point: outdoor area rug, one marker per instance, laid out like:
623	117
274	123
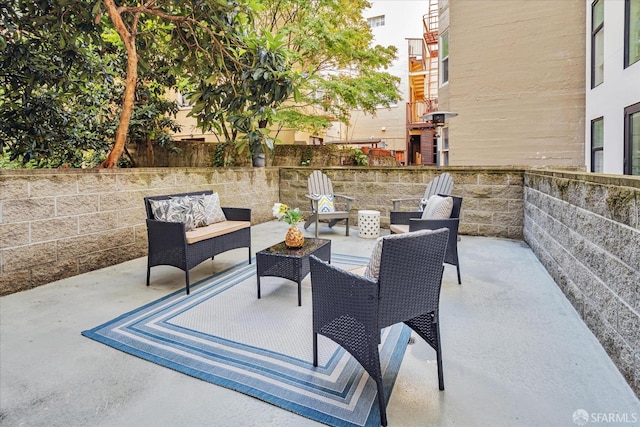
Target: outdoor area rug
223	334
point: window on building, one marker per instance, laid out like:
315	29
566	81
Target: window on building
597	145
631	32
183	101
444	159
376	21
444	58
632	140
597	43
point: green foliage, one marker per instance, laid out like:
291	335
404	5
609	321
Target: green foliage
63	66
286	214
240	101
48	108
63	69
226	154
358	157
219	155
330	43
61	84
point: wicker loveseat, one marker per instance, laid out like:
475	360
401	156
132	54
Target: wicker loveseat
170	243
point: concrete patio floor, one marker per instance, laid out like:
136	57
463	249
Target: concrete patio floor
515	352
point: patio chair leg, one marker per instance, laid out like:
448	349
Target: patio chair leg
315	350
381	403
148	273
459	280
258	286
438	350
347	227
187	279
440	374
317	223
249	254
309	221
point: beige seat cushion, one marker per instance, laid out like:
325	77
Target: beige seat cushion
399	228
215	229
358	270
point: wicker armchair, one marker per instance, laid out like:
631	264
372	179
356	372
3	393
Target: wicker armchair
351	310
400	220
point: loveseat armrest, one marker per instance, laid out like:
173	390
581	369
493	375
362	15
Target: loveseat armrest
165	235
237	214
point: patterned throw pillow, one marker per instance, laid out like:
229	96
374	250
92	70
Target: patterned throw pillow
207	210
175	209
438	207
373	268
325	204
159	209
180	210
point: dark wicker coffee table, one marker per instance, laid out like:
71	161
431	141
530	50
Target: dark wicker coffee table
291	264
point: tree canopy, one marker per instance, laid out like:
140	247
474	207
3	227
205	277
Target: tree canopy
331	46
51	99
47	68
88	76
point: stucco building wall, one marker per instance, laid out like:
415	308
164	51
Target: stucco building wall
516	79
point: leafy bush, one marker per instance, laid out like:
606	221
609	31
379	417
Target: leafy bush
359	158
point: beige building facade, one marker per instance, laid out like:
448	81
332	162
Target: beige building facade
516	79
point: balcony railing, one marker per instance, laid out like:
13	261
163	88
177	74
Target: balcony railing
420	108
417	52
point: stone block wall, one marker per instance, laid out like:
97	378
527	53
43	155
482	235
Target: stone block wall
318	156
585	229
60	223
492	205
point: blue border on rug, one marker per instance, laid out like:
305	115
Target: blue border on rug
144	333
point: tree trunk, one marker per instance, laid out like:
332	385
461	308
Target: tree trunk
129	40
151	161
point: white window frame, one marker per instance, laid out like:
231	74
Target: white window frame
632	140
444	58
376	21
631	32
597	138
597	45
183	102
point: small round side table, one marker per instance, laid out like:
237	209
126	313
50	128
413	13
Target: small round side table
368	224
